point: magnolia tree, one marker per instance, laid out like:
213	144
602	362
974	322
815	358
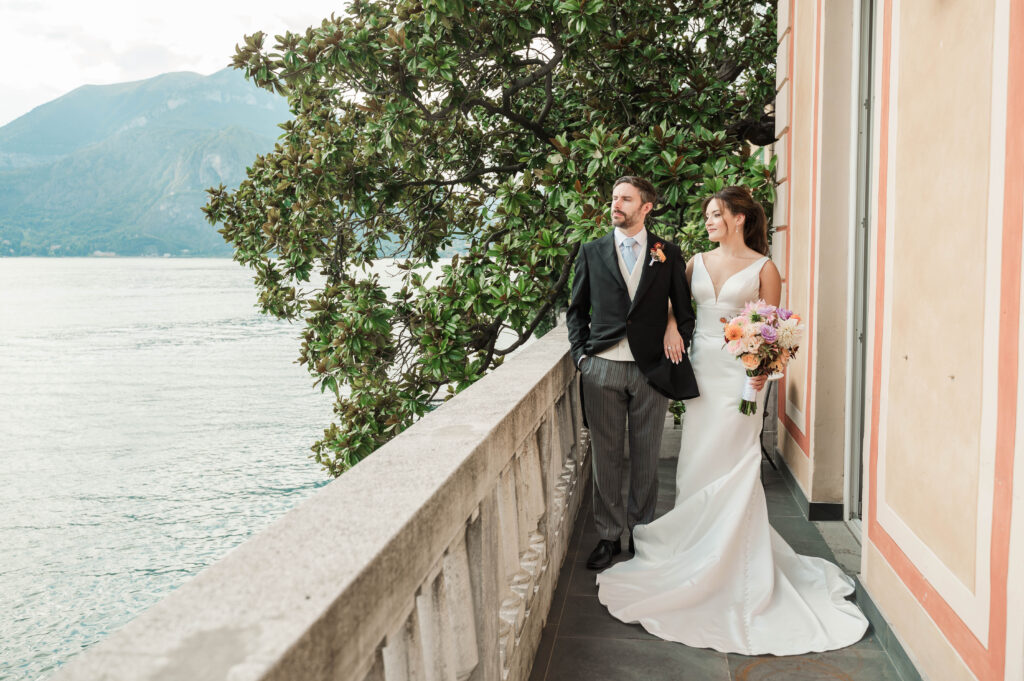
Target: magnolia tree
490	128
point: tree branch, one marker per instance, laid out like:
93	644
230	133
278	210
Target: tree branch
530	125
494	330
542	72
543	311
479	172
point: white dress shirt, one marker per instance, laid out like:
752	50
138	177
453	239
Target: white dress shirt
620	352
639	248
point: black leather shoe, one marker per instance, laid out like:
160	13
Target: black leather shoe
601	556
632	548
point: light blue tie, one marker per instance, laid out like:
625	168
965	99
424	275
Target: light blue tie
627	252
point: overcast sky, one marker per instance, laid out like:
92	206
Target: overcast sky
51	47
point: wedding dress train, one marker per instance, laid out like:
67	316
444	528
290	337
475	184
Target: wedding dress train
712	573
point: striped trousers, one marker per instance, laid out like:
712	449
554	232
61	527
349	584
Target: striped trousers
614	392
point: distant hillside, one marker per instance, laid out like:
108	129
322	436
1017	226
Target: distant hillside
123	168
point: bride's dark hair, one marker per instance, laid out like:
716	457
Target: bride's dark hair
740	201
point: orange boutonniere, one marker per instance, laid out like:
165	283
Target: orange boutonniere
657	254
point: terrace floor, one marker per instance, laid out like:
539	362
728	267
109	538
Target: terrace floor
582	642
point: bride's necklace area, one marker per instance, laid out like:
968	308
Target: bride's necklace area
722	263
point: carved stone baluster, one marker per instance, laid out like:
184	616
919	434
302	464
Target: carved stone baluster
529	491
508	517
461	623
512	606
376	672
530	503
555	487
403	654
567	425
483	549
559	408
549	475
438	647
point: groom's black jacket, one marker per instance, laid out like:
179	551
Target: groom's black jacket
601	314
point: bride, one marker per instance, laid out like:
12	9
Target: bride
712	573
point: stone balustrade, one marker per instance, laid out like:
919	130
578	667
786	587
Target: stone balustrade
434	559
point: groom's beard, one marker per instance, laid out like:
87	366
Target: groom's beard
625	221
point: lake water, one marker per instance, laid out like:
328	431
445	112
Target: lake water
150	420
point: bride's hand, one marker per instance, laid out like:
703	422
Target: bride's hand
757	382
674	347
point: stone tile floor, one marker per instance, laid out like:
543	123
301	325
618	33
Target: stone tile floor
582	642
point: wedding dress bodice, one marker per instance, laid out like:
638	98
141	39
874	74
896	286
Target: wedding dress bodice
738	290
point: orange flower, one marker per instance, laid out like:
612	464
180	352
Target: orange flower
733	332
750	361
796	317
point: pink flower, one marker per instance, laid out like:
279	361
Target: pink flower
768	333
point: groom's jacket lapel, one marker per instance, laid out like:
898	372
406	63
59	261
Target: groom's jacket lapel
608	257
606	253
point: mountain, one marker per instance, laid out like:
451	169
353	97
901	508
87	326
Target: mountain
123	168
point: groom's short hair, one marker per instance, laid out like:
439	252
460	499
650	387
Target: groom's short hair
647	191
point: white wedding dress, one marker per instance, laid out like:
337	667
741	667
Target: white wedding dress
712	573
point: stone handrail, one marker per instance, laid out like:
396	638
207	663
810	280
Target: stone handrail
435	558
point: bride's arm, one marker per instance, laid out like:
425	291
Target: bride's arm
771	293
771	284
674	346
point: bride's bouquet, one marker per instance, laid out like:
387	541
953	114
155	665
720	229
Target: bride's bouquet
764	338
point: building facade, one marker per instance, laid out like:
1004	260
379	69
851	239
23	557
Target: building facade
898	226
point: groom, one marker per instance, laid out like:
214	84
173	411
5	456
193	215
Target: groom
617	317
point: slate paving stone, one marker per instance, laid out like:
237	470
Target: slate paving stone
779	491
561	593
816	549
543	656
844	544
582	583
796	530
585	616
773	483
580	527
871	641
783	506
780	495
849	664
576	659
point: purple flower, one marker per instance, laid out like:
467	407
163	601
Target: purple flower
785	314
768	333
